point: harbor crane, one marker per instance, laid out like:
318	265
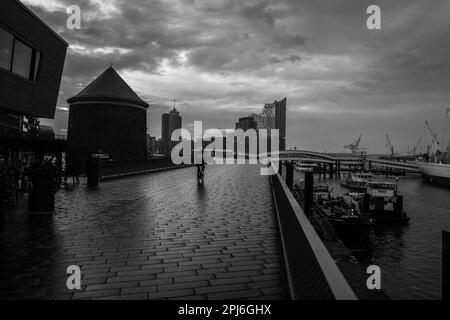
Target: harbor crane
434	138
416	146
389	145
354	147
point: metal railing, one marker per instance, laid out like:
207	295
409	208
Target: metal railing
312	272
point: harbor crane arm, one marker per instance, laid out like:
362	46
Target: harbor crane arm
434	139
391	147
432	134
417	145
358	141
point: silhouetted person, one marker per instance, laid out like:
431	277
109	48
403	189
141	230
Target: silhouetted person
201	171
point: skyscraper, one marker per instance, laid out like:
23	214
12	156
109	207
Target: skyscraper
170	122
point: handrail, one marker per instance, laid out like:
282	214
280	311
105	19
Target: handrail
312	272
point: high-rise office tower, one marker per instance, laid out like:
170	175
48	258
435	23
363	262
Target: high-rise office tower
170	122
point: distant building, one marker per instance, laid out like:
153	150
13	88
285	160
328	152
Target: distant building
272	116
280	121
151	145
170	122
246	123
106	117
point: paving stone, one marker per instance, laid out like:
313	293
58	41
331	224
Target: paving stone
151	236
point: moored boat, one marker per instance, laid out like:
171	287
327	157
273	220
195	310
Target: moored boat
343	213
357	181
438	172
382	201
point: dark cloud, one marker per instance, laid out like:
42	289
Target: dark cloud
292	58
226	58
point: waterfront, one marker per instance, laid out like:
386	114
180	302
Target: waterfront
409	256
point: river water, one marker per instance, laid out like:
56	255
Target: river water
409	256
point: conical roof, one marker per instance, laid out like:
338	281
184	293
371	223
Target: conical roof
108	86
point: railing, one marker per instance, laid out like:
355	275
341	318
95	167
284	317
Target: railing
312	272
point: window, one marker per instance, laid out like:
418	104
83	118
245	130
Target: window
6	46
22	59
37	59
18	57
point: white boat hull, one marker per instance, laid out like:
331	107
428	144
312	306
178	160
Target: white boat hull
436	172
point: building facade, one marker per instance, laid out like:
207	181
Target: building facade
151	145
169	123
106	117
31	64
280	121
246	123
272	116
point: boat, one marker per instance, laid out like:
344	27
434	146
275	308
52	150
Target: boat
357	181
438	172
304	166
435	167
336	215
344	214
382	201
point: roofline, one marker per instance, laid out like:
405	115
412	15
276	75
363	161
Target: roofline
106	99
41	22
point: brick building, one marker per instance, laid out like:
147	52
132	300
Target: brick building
106	117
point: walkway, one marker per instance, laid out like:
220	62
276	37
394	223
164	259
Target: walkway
153	236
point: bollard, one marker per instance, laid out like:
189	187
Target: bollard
309	192
445	265
92	169
289	175
280	168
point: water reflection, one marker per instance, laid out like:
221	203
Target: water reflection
409	255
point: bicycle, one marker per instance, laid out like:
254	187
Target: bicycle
200	174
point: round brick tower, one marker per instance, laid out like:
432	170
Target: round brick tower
106	117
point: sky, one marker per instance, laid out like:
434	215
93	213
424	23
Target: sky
224	59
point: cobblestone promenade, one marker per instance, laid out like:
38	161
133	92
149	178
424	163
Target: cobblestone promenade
152	236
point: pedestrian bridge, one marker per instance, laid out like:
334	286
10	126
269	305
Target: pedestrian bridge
345	160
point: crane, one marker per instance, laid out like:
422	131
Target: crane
354	147
389	144
416	146
434	138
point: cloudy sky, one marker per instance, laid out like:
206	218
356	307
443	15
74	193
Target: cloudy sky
222	59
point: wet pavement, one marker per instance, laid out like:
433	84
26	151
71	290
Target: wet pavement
152	236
